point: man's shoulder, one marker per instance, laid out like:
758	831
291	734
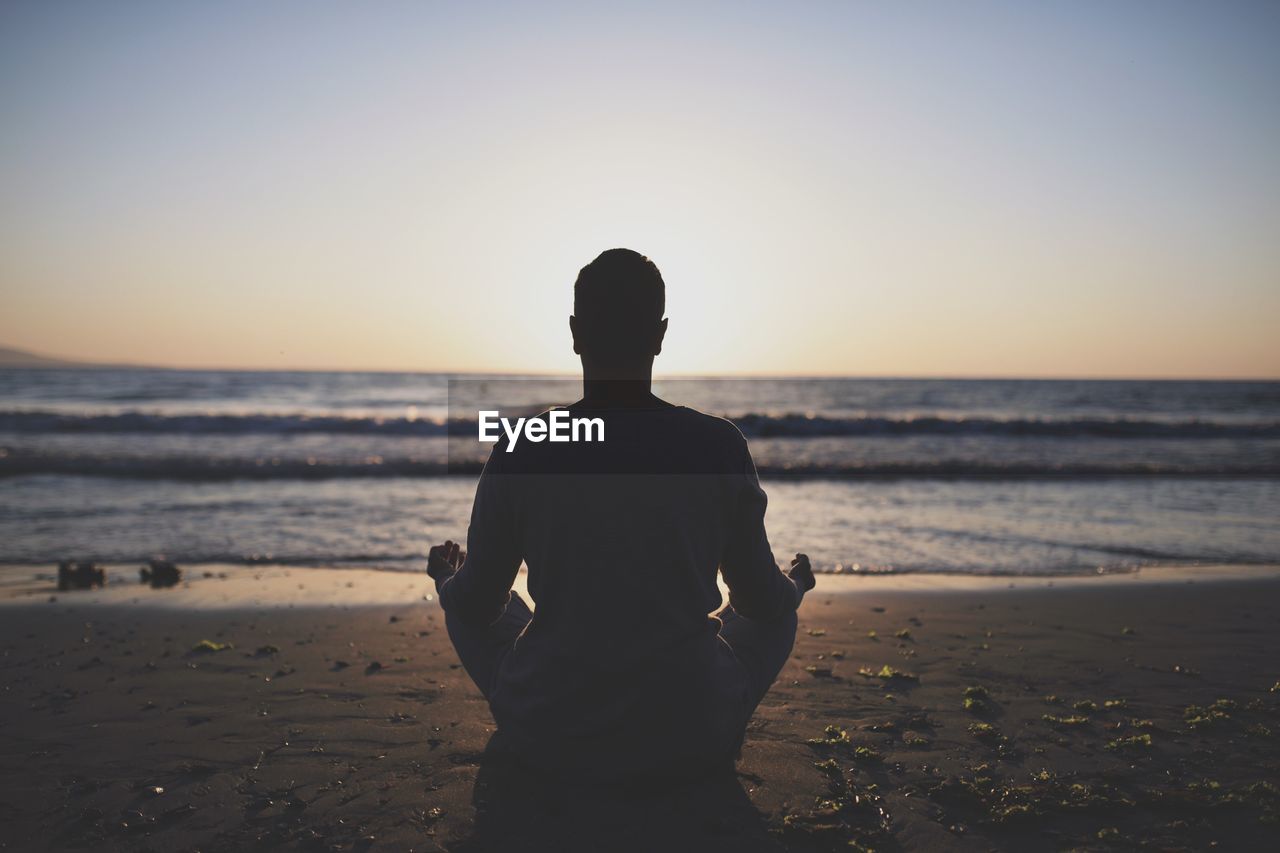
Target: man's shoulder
713	426
714	441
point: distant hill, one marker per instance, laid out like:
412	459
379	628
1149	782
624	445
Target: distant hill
10	357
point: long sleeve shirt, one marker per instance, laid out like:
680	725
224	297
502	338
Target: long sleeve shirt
623	540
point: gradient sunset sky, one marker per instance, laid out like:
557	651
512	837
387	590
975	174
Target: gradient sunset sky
893	189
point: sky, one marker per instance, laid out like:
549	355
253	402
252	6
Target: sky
1083	189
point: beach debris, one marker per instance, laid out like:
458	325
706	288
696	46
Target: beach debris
829	766
834	736
904	634
915	741
1115	704
989	799
132	819
919	722
1197	717
817	632
975	699
80	575
206	647
1074	720
831	736
374	666
887	673
984	731
1086	705
819	671
266	651
1134	742
160	574
846	816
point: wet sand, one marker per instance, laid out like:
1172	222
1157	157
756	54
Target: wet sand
1101	715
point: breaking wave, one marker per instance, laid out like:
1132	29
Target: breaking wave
212	468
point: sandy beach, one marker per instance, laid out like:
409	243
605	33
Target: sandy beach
915	714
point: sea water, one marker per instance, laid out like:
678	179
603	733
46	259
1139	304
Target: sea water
864	475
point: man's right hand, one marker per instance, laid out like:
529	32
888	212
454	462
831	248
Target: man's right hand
802	573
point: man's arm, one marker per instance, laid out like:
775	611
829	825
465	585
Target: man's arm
757	587
479	589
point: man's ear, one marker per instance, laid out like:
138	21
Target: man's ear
662	333
573	330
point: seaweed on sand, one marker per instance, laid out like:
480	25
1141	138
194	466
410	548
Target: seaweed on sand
846	814
975	700
1132	743
887	673
831	736
984	731
1197	717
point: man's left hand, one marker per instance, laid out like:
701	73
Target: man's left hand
444	560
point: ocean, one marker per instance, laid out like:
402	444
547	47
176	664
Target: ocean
1039	477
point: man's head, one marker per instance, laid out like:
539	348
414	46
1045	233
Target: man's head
618	303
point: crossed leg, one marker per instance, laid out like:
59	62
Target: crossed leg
482	648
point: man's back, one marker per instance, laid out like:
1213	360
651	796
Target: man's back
622	540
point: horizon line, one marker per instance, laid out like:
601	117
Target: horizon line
62	363
657	377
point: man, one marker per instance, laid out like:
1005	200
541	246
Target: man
621	674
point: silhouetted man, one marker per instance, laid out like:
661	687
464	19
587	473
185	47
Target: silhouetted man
621	673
